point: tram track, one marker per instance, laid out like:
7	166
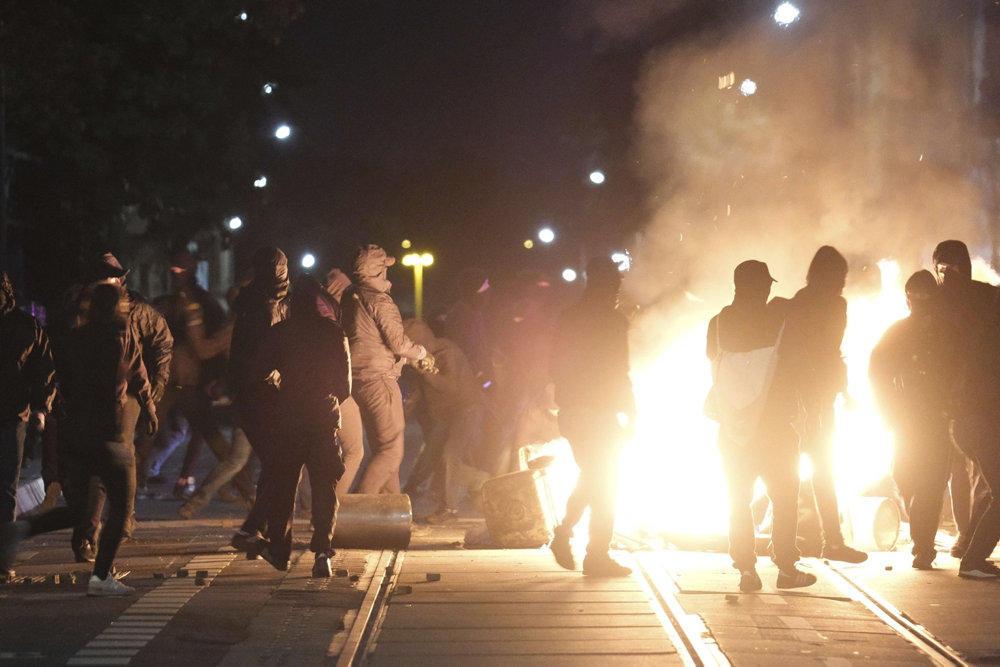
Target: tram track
697	646
935	650
364	630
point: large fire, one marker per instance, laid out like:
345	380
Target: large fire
671	476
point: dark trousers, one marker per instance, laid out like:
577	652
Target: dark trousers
260	433
596	438
318	451
114	464
89	495
968	494
381	404
773	456
12	435
978	436
817	442
920	469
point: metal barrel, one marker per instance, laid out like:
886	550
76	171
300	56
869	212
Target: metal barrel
373	521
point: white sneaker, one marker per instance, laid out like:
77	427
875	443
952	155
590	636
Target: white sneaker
109	587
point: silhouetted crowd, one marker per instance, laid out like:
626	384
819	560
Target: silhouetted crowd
287	384
285	387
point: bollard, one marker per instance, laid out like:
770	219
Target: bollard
370	521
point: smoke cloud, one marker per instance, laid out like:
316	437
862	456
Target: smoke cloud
861	134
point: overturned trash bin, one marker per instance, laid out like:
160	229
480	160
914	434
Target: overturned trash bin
373	521
518	509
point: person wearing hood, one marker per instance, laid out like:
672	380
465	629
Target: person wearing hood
757	439
379	347
259	305
590	372
970	319
452	401
908	367
27	390
814	332
99	369
351	434
308	355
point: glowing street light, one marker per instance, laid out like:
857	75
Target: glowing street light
260	182
546	235
308	260
418	261
282	132
596	177
748	87
786	14
268	88
234	222
569	275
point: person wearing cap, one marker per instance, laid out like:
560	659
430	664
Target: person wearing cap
814	331
156	351
589	365
756	438
27	390
379	347
908	366
100	370
970	318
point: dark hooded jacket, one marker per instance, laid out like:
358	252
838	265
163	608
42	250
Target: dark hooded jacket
310	354
590	358
453	388
260	304
100	364
27	373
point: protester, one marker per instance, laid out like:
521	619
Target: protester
351	433
756	433
259	305
379	347
971	321
908	367
309	353
99	369
590	370
450	396
194	381
27	389
815	328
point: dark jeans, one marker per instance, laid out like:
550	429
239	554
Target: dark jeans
818	444
114	464
920	469
773	456
447	446
92	494
596	438
12	435
979	437
318	451
969	493
381	404
260	433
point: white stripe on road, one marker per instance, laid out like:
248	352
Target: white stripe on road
142	621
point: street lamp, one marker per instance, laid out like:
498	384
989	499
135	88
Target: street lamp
235	222
596	177
418	261
282	132
546	235
308	260
786	14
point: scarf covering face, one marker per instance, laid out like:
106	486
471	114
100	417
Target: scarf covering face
270	272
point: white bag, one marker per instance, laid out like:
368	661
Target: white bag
740	383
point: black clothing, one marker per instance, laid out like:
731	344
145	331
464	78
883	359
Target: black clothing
590	370
907	370
27	374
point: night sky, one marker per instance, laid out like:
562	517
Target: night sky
462	126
